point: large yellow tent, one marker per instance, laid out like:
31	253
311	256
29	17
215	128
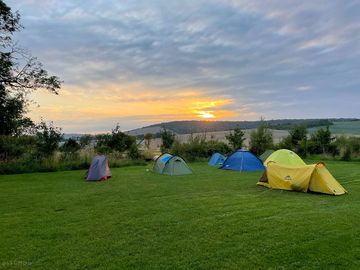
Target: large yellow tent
315	178
285	157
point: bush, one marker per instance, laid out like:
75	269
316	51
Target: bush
70	146
197	147
134	152
347	155
52	164
117	141
85	140
47	139
102	143
12	147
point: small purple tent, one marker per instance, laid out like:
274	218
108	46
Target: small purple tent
99	169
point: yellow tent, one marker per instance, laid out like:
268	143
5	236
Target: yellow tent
315	178
285	157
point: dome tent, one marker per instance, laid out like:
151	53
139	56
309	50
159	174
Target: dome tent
303	178
243	160
160	162
266	154
285	157
99	169
216	159
171	165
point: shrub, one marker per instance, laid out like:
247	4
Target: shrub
198	147
346	155
70	146
51	164
117	141
12	147
134	152
47	139
85	140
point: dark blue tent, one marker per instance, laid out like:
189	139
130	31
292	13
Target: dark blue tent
216	159
243	160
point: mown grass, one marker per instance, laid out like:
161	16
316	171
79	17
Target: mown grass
212	219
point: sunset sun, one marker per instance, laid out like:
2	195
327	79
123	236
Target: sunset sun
206	114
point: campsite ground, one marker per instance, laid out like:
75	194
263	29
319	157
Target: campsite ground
212	219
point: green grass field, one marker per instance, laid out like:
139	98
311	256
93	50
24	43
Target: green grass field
212	219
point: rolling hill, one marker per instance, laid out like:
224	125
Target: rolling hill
189	127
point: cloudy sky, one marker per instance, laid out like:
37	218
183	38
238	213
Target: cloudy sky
141	62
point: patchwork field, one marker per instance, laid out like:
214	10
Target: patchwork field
212	219
350	128
278	135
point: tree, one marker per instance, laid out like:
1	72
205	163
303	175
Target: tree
321	141
120	141
47	139
12	114
85	140
261	139
134	152
70	146
148	137
116	141
20	74
296	140
298	133
168	139
236	138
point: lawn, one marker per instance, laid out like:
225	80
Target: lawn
212	219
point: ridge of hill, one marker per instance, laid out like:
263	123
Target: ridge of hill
199	126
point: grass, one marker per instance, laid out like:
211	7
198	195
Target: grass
212	219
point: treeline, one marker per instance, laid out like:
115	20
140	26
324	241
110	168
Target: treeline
189	127
45	149
320	143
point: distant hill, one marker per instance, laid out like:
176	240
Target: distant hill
188	127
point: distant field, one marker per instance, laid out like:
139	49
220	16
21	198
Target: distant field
219	136
212	219
343	128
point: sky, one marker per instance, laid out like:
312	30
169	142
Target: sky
143	62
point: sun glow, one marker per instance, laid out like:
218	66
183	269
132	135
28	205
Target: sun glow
205	114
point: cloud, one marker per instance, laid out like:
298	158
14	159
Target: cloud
304	88
250	52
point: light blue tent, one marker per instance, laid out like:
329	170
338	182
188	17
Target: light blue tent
244	161
216	159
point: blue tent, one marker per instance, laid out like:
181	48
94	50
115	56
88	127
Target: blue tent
216	159
243	160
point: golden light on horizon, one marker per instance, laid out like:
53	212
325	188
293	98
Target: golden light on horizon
140	106
205	114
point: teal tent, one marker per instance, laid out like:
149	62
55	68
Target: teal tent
171	165
266	154
160	162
